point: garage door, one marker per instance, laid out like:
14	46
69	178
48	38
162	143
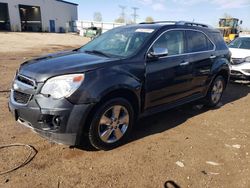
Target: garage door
4	17
30	18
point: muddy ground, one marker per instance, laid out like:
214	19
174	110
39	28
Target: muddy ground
191	146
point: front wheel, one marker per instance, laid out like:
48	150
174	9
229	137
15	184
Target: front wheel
111	124
215	91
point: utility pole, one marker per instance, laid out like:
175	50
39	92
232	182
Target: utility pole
123	12
135	15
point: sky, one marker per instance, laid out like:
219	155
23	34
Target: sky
203	11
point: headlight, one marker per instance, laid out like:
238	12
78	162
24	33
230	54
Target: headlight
247	59
62	86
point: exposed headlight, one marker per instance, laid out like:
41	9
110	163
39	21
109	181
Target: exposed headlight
247	59
62	86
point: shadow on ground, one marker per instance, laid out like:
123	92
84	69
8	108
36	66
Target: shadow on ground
169	119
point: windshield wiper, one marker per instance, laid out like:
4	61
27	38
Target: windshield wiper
97	52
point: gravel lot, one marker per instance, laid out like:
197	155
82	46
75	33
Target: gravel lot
189	145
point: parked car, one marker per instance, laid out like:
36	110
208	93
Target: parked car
97	92
240	64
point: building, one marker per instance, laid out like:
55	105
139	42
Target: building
37	15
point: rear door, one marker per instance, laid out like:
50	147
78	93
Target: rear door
168	78
202	56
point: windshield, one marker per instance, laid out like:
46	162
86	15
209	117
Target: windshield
242	43
118	42
228	23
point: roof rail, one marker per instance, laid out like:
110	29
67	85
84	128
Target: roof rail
191	24
179	23
159	22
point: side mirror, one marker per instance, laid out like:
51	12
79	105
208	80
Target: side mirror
241	22
158	52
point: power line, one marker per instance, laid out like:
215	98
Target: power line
135	15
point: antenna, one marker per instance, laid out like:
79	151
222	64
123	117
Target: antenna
135	15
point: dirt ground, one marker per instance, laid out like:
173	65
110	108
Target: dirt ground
191	146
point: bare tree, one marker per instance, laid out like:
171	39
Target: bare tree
227	16
149	19
97	17
120	20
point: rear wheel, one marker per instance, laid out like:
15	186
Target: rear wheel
111	124
215	91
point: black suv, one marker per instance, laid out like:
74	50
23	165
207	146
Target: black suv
99	90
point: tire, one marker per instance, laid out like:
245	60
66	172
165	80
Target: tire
215	91
111	124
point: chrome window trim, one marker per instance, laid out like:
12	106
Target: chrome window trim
182	29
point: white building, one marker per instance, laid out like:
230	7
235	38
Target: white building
37	15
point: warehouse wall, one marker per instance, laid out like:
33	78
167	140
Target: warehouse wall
61	12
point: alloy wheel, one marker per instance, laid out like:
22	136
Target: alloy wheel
113	124
217	91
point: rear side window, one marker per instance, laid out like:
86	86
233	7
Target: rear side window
198	42
219	41
173	41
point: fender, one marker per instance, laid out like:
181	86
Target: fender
219	65
103	81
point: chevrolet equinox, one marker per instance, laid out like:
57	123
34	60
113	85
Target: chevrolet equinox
97	92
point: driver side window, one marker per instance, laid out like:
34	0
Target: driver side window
171	40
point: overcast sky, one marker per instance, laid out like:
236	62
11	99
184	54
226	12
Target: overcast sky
205	11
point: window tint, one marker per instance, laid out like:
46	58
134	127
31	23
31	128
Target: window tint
173	41
219	41
197	42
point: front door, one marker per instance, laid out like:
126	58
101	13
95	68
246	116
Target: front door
168	78
52	26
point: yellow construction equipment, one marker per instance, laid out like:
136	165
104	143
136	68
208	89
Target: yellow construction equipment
229	28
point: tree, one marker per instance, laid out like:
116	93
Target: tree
120	20
97	17
149	19
129	21
227	16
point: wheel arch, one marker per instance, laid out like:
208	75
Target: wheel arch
220	68
225	74
125	93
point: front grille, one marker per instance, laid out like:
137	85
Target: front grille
26	80
21	98
236	61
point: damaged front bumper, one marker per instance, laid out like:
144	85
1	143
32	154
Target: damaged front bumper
59	121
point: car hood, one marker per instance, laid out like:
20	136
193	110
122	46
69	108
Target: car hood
239	53
62	63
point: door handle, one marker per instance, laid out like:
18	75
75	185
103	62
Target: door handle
184	63
212	56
